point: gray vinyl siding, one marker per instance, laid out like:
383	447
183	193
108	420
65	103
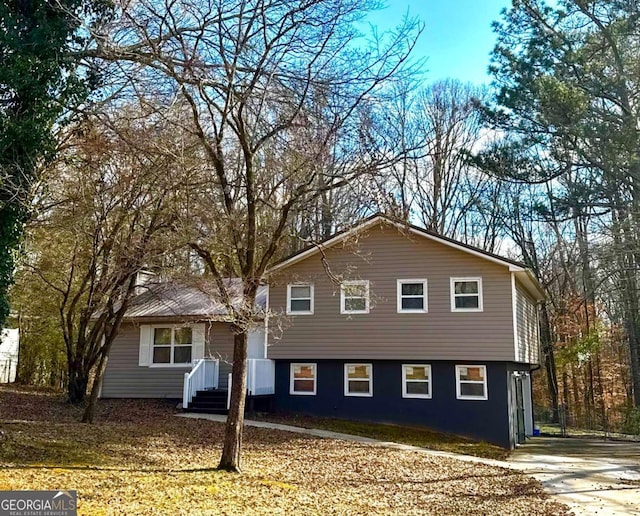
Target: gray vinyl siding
527	327
383	255
124	378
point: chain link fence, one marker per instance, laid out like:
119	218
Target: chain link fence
621	422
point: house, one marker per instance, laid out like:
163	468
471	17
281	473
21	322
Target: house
167	329
384	322
9	346
413	328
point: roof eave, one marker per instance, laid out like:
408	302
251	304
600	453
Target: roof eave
302	255
325	245
527	278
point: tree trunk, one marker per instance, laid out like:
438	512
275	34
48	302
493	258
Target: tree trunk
565	396
577	398
230	460
602	404
590	398
90	410
631	307
78	382
549	361
632	318
633	331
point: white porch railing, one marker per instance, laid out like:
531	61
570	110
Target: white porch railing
203	375
261	378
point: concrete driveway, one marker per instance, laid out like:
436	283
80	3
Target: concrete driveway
591	476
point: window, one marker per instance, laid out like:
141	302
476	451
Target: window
166	345
172	345
358	380
471	382
300	299
303	379
354	297
412	296
416	381
466	294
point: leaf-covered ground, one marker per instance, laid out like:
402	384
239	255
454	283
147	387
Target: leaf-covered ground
140	459
412	435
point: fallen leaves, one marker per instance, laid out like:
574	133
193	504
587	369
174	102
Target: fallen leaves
412	435
140	459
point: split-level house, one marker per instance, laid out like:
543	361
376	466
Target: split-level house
384	322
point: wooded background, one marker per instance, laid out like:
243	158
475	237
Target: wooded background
210	139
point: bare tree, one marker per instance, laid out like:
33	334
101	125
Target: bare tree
100	213
435	184
273	88
447	186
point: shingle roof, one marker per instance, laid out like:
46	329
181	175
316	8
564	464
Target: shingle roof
172	299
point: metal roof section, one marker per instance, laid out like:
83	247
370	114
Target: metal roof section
172	299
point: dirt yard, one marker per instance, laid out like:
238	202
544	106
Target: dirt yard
140	459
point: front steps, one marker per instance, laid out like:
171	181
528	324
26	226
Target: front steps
209	402
214	401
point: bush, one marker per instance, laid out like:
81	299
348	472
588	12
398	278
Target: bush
631	423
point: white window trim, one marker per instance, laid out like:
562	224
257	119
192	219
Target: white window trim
401	310
452	287
173	333
346	380
292	390
342	297
405	394
483	382
311	304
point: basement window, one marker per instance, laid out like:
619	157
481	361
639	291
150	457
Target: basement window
303	379
471	382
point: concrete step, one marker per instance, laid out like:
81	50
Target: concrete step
208	403
207	410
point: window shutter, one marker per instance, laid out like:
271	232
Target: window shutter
144	355
198	332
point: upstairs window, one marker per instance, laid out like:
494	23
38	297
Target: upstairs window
466	294
172	345
354	297
412	296
471	382
300	299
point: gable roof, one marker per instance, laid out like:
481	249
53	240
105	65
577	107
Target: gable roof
519	269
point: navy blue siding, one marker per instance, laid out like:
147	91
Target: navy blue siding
486	420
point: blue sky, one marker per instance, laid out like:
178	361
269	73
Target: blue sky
457	37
